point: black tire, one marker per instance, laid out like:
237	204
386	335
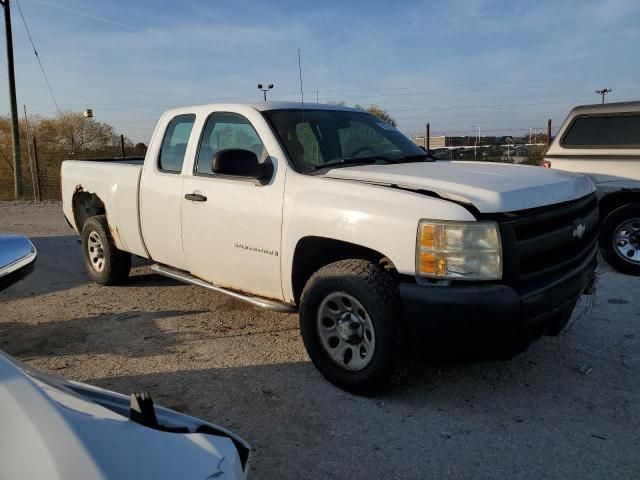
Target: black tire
377	291
115	265
612	222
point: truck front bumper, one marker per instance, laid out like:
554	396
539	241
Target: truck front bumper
494	311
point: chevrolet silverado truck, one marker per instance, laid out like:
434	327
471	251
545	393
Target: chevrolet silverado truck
603	141
335	214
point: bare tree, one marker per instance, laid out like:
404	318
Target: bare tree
73	133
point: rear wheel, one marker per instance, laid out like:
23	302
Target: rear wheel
620	239
352	326
105	263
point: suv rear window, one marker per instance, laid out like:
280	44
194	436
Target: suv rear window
612	131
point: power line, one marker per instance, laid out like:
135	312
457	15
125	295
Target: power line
491	82
84	14
44	74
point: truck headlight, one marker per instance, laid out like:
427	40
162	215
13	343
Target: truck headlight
459	250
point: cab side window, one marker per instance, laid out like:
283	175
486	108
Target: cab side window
175	143
223	131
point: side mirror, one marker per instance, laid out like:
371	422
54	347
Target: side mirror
17	259
241	163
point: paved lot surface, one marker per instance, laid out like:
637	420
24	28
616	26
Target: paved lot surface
567	408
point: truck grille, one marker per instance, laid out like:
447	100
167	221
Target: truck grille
542	244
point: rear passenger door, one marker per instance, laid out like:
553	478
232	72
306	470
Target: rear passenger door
161	190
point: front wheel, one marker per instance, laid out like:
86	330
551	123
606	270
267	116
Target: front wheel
620	239
352	326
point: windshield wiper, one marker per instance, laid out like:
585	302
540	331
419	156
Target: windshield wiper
355	161
420	157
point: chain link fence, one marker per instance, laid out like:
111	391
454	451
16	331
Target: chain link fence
49	187
518	154
48	165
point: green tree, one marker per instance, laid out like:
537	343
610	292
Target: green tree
381	113
534	155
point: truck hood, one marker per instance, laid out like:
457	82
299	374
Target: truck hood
490	187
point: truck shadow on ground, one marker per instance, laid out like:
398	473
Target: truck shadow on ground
95	334
60	266
247	392
283	408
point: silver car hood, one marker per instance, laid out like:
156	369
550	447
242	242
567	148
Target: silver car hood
55	429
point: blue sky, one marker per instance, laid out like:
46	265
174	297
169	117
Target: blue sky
506	66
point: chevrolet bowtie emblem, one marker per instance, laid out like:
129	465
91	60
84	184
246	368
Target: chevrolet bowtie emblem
579	230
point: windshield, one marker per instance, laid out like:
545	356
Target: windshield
317	139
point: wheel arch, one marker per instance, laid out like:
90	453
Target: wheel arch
614	200
313	252
86	205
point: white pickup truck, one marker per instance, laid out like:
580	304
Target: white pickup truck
603	141
331	212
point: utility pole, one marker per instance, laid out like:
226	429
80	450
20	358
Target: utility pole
548	133
603	92
15	132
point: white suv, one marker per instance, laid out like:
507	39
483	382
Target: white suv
603	141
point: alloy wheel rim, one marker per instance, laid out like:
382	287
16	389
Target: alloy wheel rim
346	331
626	240
95	249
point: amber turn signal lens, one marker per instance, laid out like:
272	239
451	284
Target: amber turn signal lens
428	263
428	236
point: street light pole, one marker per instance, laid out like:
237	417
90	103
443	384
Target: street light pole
15	132
603	92
265	90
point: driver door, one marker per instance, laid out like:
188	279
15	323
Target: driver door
232	230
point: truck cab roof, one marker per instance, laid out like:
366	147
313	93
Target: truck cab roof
260	106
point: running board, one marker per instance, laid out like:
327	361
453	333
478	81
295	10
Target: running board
257	301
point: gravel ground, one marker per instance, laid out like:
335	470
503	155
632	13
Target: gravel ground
569	407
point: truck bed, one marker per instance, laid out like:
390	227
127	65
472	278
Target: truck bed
116	182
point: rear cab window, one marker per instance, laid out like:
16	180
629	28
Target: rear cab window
174	143
603	131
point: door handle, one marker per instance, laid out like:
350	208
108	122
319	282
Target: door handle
195	197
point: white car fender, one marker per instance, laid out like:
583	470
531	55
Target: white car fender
380	218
